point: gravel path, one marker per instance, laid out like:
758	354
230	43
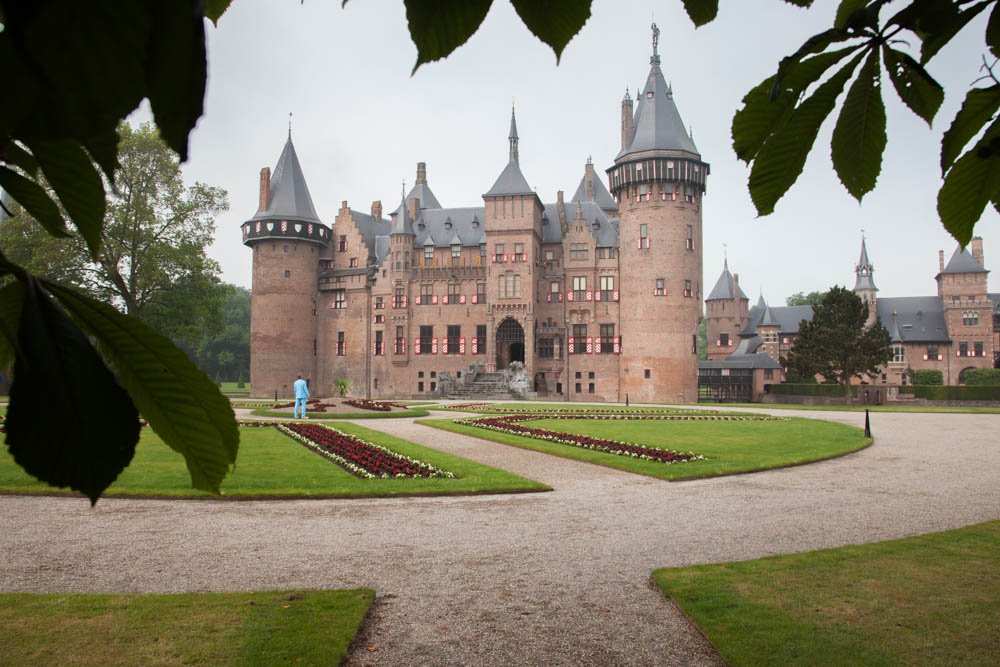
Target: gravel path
558	578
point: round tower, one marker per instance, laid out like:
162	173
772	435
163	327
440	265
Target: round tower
286	237
659	179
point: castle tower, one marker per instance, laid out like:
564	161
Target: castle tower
726	313
286	237
513	226
659	180
968	310
864	285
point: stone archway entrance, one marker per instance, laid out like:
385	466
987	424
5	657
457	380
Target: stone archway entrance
510	343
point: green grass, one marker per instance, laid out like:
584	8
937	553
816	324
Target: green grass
927	600
364	414
311	627
272	465
942	409
576	407
730	447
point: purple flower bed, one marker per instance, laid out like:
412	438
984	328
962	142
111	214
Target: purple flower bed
357	456
366	404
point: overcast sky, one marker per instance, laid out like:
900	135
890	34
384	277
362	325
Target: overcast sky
361	122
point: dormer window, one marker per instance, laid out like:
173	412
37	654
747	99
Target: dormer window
649	95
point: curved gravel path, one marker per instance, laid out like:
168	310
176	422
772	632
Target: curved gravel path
558	578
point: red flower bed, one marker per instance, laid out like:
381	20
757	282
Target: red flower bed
358	456
366	404
508	424
312	405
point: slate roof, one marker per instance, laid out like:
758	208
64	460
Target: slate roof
510	182
786	317
995	298
742	361
422	191
963	262
724	286
288	198
371	229
600	194
864	271
657	123
402	224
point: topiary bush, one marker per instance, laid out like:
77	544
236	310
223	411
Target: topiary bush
948	393
982	376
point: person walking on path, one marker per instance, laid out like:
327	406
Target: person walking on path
301	394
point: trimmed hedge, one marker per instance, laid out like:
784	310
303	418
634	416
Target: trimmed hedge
790	389
928	377
966	393
977	377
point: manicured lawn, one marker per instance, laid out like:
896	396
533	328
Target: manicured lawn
574	407
927	600
310	627
942	409
360	414
729	447
271	464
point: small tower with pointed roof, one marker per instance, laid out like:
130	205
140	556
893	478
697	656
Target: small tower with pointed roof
286	237
659	179
726	312
864	284
968	309
513	225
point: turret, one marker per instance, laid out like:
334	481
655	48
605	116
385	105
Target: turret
864	285
286	237
658	180
726	309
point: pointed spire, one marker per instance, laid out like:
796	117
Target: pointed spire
725	286
403	224
289	124
655	59
864	271
288	197
513	136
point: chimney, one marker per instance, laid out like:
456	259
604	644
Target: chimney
413	207
265	188
977	250
421	173
940	261
588	181
561	207
377	209
736	287
626	120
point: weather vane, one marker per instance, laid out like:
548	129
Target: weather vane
656	37
289	124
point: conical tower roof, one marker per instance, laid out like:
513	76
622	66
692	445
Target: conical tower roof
724	285
288	197
402	224
768	319
962	261
592	189
657	124
511	181
865	271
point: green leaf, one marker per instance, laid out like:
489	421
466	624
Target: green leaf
993	32
176	71
11	298
979	107
859	135
913	84
701	11
94	437
973	181
438	27
940	34
35	200
555	22
214	9
103	149
766	108
800	3
781	159
15	155
844	11
69	171
182	405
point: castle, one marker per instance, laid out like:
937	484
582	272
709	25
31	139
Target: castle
599	297
951	332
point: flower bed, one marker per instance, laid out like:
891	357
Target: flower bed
357	456
509	424
312	405
367	404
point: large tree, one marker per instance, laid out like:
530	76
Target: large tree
837	344
802	299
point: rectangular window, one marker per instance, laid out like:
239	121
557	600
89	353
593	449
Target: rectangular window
519	255
480	292
607	338
379	303
579	388
426	339
498	255
353	262
689	241
454	296
932	353
579	339
898	354
379	344
554	287
607	288
380	319
578	251
341	344
963	349
687	288
339	298
480	341
579	288
661	287
546	349
977	349
643	236
426	295
723	340
342	244
970	318
399	345
647	374
428	253
590	388
456	251
399	297
549	256
607	253
420	386
454	338
768	374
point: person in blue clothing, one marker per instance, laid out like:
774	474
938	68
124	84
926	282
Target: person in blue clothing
301	389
